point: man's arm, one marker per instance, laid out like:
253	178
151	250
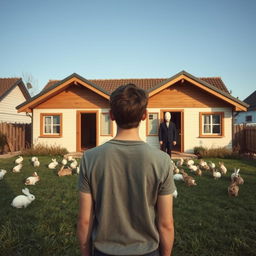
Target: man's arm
165	224
84	223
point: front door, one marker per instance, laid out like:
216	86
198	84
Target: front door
177	118
86	130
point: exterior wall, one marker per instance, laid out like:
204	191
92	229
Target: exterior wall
191	129
69	128
241	117
8	111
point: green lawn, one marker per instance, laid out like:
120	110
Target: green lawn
207	221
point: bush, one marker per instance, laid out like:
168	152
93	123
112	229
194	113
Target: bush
220	152
45	150
3	141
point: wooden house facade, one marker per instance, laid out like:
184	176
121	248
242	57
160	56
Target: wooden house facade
74	112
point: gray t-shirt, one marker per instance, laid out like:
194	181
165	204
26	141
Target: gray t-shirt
125	179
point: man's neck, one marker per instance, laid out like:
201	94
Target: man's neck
127	134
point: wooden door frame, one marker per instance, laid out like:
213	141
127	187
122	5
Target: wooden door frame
181	124
78	127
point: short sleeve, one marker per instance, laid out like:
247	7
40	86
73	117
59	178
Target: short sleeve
167	186
83	180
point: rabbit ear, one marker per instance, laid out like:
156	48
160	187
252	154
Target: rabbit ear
238	170
26	191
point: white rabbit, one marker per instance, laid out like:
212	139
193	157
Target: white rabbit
192	168
178	176
2	173
223	169
190	162
34	158
215	174
32	180
64	161
74	164
235	174
175	193
36	163
17	168
19	160
212	165
70	158
23	201
53	164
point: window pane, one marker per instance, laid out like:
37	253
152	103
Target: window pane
207	119
216	129
105	124
153	123
56	129
47	129
47	120
207	129
216	119
56	119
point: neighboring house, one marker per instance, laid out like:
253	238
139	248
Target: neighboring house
73	112
12	93
248	117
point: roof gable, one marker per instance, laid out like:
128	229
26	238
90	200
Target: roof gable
7	84
104	87
251	100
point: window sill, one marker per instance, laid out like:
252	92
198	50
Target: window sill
211	136
50	136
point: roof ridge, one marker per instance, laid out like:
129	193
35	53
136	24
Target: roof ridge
104	79
10	77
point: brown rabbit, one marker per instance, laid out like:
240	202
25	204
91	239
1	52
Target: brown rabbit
239	180
64	171
233	189
189	181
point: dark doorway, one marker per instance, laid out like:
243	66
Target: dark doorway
88	130
176	118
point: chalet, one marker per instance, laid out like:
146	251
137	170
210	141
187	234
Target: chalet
73	112
12	93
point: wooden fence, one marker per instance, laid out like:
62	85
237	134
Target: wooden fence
244	138
18	136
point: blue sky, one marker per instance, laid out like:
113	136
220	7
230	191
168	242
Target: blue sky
52	39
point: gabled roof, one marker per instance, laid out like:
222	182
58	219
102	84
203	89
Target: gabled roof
104	87
251	100
7	84
146	83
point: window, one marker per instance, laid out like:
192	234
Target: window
248	118
51	125
211	124
152	124
106	125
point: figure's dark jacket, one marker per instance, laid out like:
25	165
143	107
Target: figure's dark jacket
167	134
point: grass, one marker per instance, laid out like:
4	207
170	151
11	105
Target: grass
207	221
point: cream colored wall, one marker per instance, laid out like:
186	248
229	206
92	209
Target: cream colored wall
8	111
191	129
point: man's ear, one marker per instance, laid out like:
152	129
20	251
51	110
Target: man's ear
111	115
144	116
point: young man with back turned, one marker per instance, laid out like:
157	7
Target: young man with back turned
125	188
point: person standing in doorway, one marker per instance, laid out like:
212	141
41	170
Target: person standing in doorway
167	134
125	188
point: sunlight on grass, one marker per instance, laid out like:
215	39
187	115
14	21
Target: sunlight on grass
207	221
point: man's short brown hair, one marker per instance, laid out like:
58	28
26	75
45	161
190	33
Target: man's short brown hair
128	103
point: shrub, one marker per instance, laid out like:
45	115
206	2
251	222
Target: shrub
219	152
45	150
3	141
